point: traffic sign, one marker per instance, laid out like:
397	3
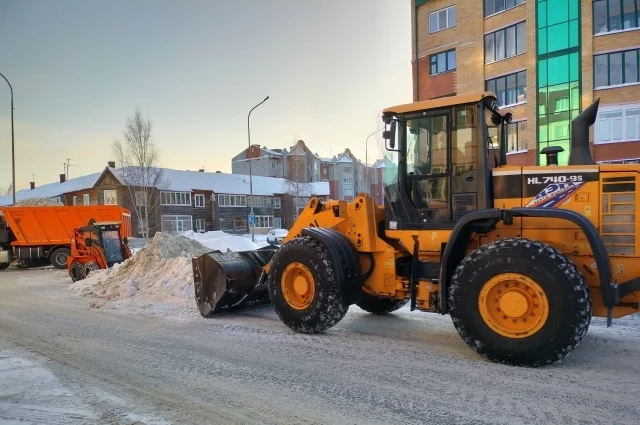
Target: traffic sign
251	220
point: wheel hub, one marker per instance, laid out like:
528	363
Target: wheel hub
298	286
513	305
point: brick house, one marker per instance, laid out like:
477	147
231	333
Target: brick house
545	64
187	200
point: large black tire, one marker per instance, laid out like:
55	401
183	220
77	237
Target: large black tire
376	305
77	272
569	312
4	266
58	257
90	267
327	306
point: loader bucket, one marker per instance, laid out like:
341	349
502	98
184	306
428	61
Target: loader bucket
231	281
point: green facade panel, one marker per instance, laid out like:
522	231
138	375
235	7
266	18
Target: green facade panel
558	79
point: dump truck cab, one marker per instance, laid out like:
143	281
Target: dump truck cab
99	245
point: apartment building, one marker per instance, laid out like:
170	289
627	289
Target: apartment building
347	175
546	60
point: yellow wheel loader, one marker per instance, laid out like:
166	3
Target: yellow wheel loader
520	257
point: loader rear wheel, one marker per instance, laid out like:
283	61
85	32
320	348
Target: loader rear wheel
303	287
4	266
520	302
90	267
377	305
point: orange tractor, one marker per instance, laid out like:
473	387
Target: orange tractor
96	246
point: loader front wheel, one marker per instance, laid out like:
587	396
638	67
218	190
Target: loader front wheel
520	302
303	287
77	272
90	268
377	305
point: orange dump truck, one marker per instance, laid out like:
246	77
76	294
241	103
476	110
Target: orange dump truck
44	233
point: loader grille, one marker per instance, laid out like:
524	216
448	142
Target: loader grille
618	214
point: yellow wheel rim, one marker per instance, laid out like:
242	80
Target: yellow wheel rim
298	286
513	305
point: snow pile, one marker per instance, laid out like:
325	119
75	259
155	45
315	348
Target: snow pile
221	241
159	272
38	202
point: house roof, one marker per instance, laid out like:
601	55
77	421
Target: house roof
53	190
177	181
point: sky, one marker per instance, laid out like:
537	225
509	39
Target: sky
80	68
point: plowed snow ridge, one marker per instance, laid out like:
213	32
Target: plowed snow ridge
161	271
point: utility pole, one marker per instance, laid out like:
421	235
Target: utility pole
13	145
253	217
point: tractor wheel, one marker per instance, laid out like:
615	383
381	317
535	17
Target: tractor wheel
77	272
90	267
58	257
377	305
520	302
303	288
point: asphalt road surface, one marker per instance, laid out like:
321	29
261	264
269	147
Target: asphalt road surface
62	362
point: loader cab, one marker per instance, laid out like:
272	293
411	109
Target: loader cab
107	236
439	157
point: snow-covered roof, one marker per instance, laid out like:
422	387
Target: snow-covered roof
325	159
344	158
53	190
177	181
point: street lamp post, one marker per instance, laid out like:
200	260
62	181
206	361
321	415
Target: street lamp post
253	231
366	160
13	151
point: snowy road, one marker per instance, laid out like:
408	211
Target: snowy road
62	362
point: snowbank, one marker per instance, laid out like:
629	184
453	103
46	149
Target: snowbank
159	273
221	241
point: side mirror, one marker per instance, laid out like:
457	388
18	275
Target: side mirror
390	135
125	240
508	117
88	242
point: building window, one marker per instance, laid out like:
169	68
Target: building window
276	203
442	19
176	223
443	62
232	200
260	201
175	198
75	201
515	136
505	43
200	224
277	222
110	197
618	124
199	201
347	180
141	199
263	221
85	199
617	68
510	89
348	193
491	7
615	15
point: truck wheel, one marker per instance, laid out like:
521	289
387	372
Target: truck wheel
4	266
520	302
58	257
77	272
377	305
303	287
90	267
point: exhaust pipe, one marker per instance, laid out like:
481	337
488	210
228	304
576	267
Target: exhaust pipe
231	281
580	153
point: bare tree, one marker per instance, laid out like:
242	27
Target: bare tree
297	185
139	171
8	190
